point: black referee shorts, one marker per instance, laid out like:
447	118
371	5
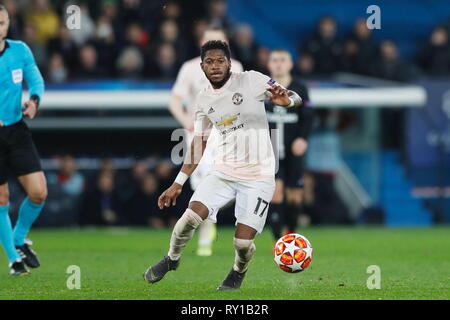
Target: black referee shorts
18	154
291	170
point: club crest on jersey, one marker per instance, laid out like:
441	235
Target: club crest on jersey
238	99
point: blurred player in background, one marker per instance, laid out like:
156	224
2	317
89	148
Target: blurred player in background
191	79
18	154
244	167
292	129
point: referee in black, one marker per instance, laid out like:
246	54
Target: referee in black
18	154
293	126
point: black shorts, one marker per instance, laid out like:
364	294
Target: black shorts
18	154
291	171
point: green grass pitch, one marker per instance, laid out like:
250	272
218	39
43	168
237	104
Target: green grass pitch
415	264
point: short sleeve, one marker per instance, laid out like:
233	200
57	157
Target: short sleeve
202	124
181	86
259	83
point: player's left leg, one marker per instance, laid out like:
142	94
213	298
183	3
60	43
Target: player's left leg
245	249
252	204
35	186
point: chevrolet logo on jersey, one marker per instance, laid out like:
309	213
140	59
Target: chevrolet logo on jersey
228	120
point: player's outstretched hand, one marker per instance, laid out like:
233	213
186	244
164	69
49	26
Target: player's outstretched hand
280	96
169	197
30	109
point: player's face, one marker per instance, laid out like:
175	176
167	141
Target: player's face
4	24
216	66
280	64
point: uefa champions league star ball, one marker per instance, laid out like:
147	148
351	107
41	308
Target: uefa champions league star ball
293	253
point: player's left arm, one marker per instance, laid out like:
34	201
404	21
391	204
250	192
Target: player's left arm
284	98
35	82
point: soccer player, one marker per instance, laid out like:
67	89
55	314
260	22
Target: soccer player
190	81
18	153
292	128
244	168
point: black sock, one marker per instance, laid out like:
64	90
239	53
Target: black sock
290	217
276	219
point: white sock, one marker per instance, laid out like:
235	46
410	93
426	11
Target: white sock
205	233
245	249
183	232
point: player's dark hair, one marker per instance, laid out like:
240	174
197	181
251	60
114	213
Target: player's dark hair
2	7
216	45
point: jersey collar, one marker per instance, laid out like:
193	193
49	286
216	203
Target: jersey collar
225	86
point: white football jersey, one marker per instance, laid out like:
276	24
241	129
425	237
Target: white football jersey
237	111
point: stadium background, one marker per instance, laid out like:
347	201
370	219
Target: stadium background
104	129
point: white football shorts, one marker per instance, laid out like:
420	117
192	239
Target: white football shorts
252	197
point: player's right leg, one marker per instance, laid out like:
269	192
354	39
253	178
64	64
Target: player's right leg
16	266
182	232
211	195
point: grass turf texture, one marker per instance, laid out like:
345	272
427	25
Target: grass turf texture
415	264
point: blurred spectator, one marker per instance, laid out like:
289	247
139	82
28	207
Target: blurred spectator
71	181
164	173
15	19
38	49
390	66
130	64
142	208
101	206
131	11
324	47
83	35
217	10
262	60
305	66
64	46
198	31
434	57
169	33
88	67
349	58
57	71
164	66
244	47
366	49
172	11
45	19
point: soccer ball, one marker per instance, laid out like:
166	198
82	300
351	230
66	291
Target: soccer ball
293	253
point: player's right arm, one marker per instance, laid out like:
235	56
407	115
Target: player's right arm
202	128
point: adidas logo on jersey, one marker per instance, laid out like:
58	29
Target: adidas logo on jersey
211	110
